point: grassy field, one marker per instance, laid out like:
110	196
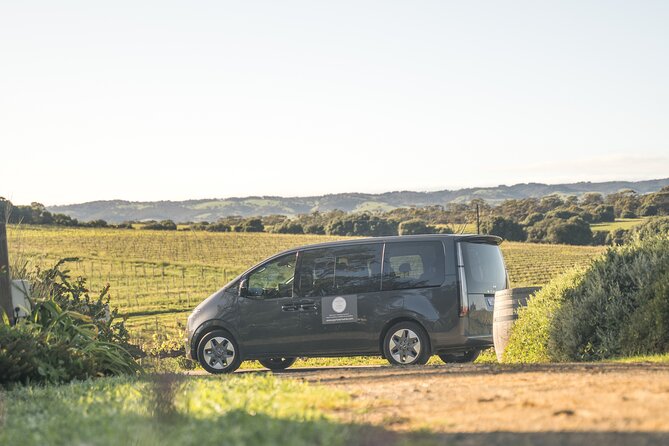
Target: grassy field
157	277
620	223
167	409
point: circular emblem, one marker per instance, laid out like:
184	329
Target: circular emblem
338	304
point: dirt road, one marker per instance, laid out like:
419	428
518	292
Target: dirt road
534	404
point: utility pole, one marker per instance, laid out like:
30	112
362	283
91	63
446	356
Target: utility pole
478	220
5	280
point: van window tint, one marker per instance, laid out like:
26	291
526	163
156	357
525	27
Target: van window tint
345	270
273	279
413	265
484	268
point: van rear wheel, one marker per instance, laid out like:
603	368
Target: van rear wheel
406	343
468	356
218	352
277	363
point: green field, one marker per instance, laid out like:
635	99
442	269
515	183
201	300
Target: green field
620	223
231	410
157	277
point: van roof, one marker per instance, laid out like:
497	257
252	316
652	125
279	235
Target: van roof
403	238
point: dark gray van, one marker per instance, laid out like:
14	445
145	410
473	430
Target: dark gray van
405	298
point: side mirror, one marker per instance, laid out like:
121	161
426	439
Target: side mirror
244	288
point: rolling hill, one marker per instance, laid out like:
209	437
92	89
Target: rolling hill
116	211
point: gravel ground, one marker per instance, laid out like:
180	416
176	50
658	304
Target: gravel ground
584	403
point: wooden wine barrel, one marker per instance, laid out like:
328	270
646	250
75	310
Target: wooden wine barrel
505	314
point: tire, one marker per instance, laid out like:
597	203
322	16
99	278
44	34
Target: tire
218	352
277	363
406	343
468	356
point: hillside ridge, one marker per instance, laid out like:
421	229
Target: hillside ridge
116	211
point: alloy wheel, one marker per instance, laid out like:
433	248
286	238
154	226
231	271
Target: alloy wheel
405	346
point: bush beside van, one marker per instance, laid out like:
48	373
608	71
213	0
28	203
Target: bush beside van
618	306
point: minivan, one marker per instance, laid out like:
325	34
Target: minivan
405	298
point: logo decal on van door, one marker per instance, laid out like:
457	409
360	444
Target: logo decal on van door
339	304
340	309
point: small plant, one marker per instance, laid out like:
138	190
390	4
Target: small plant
68	336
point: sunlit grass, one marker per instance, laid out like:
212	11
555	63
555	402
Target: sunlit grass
230	410
643	358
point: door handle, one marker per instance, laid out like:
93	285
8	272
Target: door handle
308	307
289	307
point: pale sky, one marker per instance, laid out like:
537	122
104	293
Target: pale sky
161	100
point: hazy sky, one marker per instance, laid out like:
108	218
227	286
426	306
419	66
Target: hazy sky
145	100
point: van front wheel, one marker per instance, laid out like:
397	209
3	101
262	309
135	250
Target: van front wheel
277	363
218	352
406	343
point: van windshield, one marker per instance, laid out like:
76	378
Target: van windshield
484	268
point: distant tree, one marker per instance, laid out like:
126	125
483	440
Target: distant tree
592	199
314	229
656	203
165	225
549	203
289	227
533	218
96	224
217	227
505	228
361	224
415	226
603	213
574	231
252	225
624	201
648	210
564	214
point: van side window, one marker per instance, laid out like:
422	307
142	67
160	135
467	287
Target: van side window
273	279
345	270
413	265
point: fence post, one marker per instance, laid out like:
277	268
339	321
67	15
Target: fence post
5	282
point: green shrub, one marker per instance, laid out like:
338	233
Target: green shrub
531	332
590	324
618	306
73	295
648	329
19	351
68	336
653	227
600	238
617	237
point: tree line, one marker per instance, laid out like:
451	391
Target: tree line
550	219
